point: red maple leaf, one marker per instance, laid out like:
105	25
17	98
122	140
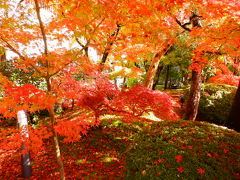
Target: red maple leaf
160	160
180	169
178	158
200	171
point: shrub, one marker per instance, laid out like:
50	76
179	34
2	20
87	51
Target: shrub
102	97
215	103
212	88
229	79
184	150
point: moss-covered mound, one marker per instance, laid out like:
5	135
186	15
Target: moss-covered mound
184	150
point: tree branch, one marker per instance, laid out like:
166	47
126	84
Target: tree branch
19	54
37	8
184	26
109	44
85	47
193	19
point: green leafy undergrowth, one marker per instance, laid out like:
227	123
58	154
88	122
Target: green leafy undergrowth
216	102
184	150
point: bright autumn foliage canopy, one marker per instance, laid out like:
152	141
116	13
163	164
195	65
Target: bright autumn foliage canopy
117	27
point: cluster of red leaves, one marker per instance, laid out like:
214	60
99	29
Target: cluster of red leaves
75	128
139	100
26	97
97	94
101	96
229	79
224	76
72	130
11	139
178	158
199	61
37	137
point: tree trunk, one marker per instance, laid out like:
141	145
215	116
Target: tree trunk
25	156
124	82
154	64
167	76
160	67
73	102
2	54
51	109
152	71
195	90
55	137
56	144
194	97
234	113
237	63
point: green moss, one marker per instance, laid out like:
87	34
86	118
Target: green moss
203	148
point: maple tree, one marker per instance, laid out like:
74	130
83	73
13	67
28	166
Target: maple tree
29	98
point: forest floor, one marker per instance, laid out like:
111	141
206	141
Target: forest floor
99	155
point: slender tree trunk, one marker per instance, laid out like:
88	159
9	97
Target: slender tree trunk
115	81
167	76
170	79
124	82
154	65
145	64
56	144
194	97
160	67
55	136
51	109
73	102
2	54
235	69
234	113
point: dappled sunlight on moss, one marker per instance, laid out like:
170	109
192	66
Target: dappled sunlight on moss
184	149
